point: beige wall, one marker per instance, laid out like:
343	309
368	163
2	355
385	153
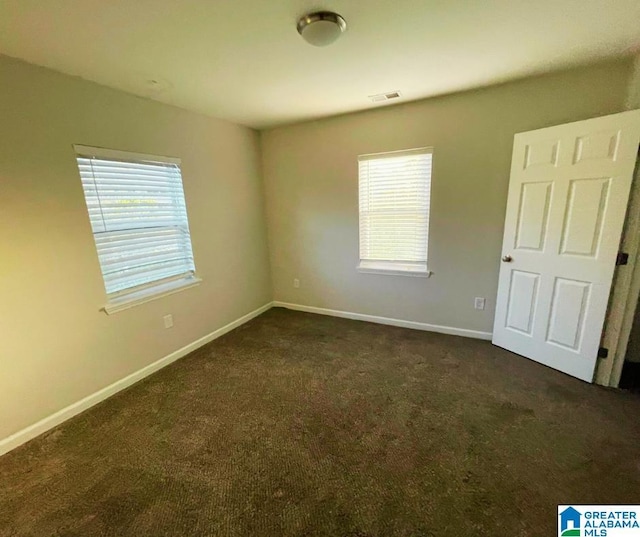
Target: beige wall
56	347
310	173
633	93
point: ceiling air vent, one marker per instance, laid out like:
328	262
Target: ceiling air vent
385	96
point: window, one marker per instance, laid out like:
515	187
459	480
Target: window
139	219
394	211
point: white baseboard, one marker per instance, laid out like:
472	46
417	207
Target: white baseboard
30	432
26	434
387	320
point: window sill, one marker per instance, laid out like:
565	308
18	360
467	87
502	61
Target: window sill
151	293
394	269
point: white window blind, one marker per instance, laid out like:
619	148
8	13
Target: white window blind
139	218
394	192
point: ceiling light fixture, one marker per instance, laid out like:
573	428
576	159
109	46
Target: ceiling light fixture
321	28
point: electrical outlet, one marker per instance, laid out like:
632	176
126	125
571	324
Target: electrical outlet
296	283
480	303
168	321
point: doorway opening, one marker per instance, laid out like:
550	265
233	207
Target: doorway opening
621	337
630	378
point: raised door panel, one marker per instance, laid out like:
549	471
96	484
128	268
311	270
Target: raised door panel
585	216
568	309
597	146
533	214
521	303
541	154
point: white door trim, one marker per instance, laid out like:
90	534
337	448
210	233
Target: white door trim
624	295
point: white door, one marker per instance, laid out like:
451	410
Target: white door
567	201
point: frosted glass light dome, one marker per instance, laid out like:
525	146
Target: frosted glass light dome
322	28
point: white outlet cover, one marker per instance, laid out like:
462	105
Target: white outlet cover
168	321
480	303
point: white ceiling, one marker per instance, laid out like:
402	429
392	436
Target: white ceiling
243	60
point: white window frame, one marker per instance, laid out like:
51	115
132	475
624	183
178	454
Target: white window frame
153	290
395	267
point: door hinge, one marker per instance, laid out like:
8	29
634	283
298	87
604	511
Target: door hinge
622	258
603	352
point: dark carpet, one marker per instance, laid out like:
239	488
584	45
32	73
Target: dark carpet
303	425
